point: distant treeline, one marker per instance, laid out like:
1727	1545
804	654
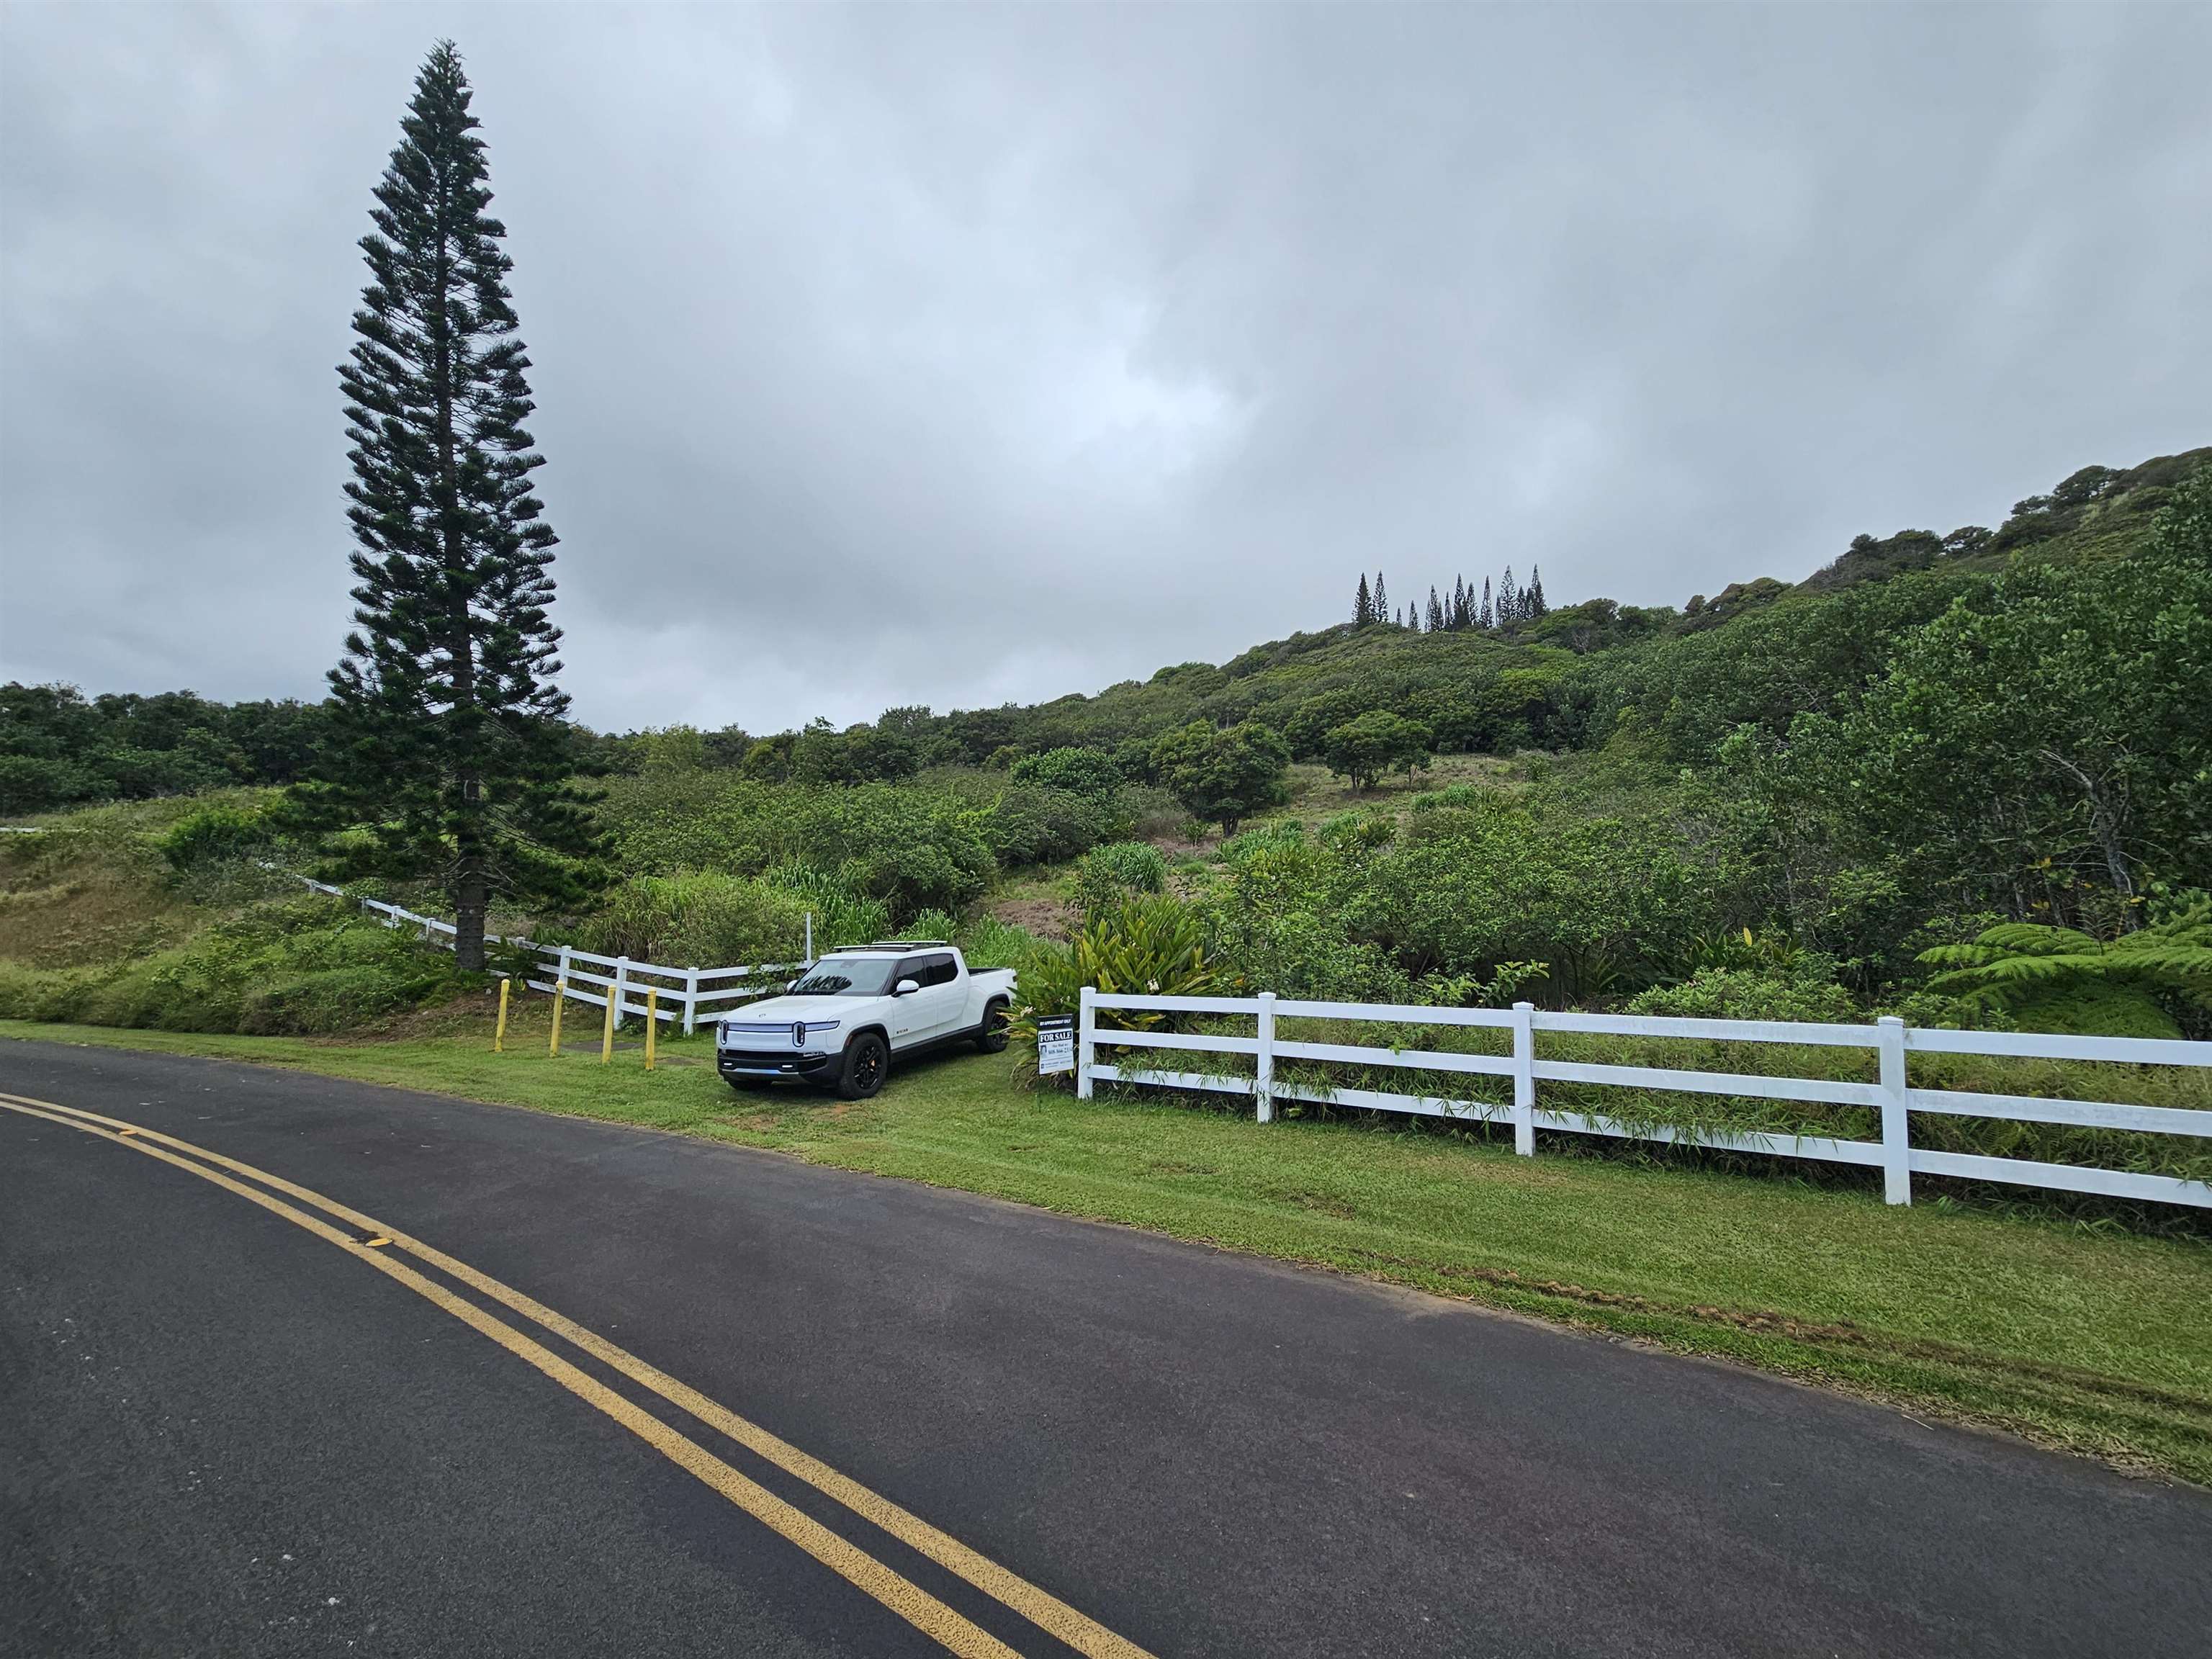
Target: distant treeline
59	748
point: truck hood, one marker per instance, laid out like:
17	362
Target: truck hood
785	1011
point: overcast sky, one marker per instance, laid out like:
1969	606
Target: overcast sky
951	355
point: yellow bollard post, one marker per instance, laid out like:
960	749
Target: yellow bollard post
499	1033
560	1000
652	1023
607	1031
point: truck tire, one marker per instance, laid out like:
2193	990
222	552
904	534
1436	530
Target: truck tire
991	1035
867	1063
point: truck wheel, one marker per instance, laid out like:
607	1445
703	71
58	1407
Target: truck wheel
991	1037
867	1063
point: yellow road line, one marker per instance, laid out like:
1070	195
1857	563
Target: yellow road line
1085	1635
903	1597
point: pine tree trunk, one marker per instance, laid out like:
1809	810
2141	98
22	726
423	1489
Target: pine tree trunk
471	897
469	887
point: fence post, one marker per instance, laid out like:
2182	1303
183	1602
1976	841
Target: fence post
619	990
1263	1073
690	1001
499	1033
1524	1079
1086	1027
652	1023
809	963
1896	1120
560	1001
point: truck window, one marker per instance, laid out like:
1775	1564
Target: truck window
939	970
847	976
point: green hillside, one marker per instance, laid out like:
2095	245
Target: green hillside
1562	680
1931	734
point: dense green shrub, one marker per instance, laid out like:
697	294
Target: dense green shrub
215	833
933	843
988	942
909	847
1031	824
1811	996
1471	883
931	924
1107	875
697	920
1278	913
327	1001
1078	771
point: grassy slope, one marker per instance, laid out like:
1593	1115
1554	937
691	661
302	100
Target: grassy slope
2095	1342
90	896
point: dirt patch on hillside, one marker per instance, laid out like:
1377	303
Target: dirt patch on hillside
1045	915
1175	848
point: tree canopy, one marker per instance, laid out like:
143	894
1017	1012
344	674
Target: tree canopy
1223	774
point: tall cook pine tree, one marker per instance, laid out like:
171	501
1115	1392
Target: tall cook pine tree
449	747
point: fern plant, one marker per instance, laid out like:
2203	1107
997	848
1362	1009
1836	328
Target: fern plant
2058	979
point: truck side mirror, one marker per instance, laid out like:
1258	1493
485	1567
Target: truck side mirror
906	987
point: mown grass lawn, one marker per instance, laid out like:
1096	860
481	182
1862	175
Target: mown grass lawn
2100	1342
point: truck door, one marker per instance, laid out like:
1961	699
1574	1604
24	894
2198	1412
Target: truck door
934	1011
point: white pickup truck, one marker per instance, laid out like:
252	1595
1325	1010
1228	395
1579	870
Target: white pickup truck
843	1020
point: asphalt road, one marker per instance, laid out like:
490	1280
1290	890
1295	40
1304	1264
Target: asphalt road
221	1434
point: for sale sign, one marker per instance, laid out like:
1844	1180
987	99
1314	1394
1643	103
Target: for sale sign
1055	1044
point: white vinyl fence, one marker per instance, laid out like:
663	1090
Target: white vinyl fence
1890	1039
680	994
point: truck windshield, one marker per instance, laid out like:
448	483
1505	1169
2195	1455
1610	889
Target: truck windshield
846	976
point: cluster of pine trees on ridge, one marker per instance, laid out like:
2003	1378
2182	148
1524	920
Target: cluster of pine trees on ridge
1454	612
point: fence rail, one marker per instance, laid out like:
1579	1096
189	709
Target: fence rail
1890	1040
679	993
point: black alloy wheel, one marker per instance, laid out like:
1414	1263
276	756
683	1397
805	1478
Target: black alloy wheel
867	1063
992	1038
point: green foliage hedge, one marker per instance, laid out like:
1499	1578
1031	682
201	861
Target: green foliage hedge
298	966
933	843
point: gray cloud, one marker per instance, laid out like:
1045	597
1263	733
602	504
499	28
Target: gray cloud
958	355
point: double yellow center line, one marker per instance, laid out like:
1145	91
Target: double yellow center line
925	1612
